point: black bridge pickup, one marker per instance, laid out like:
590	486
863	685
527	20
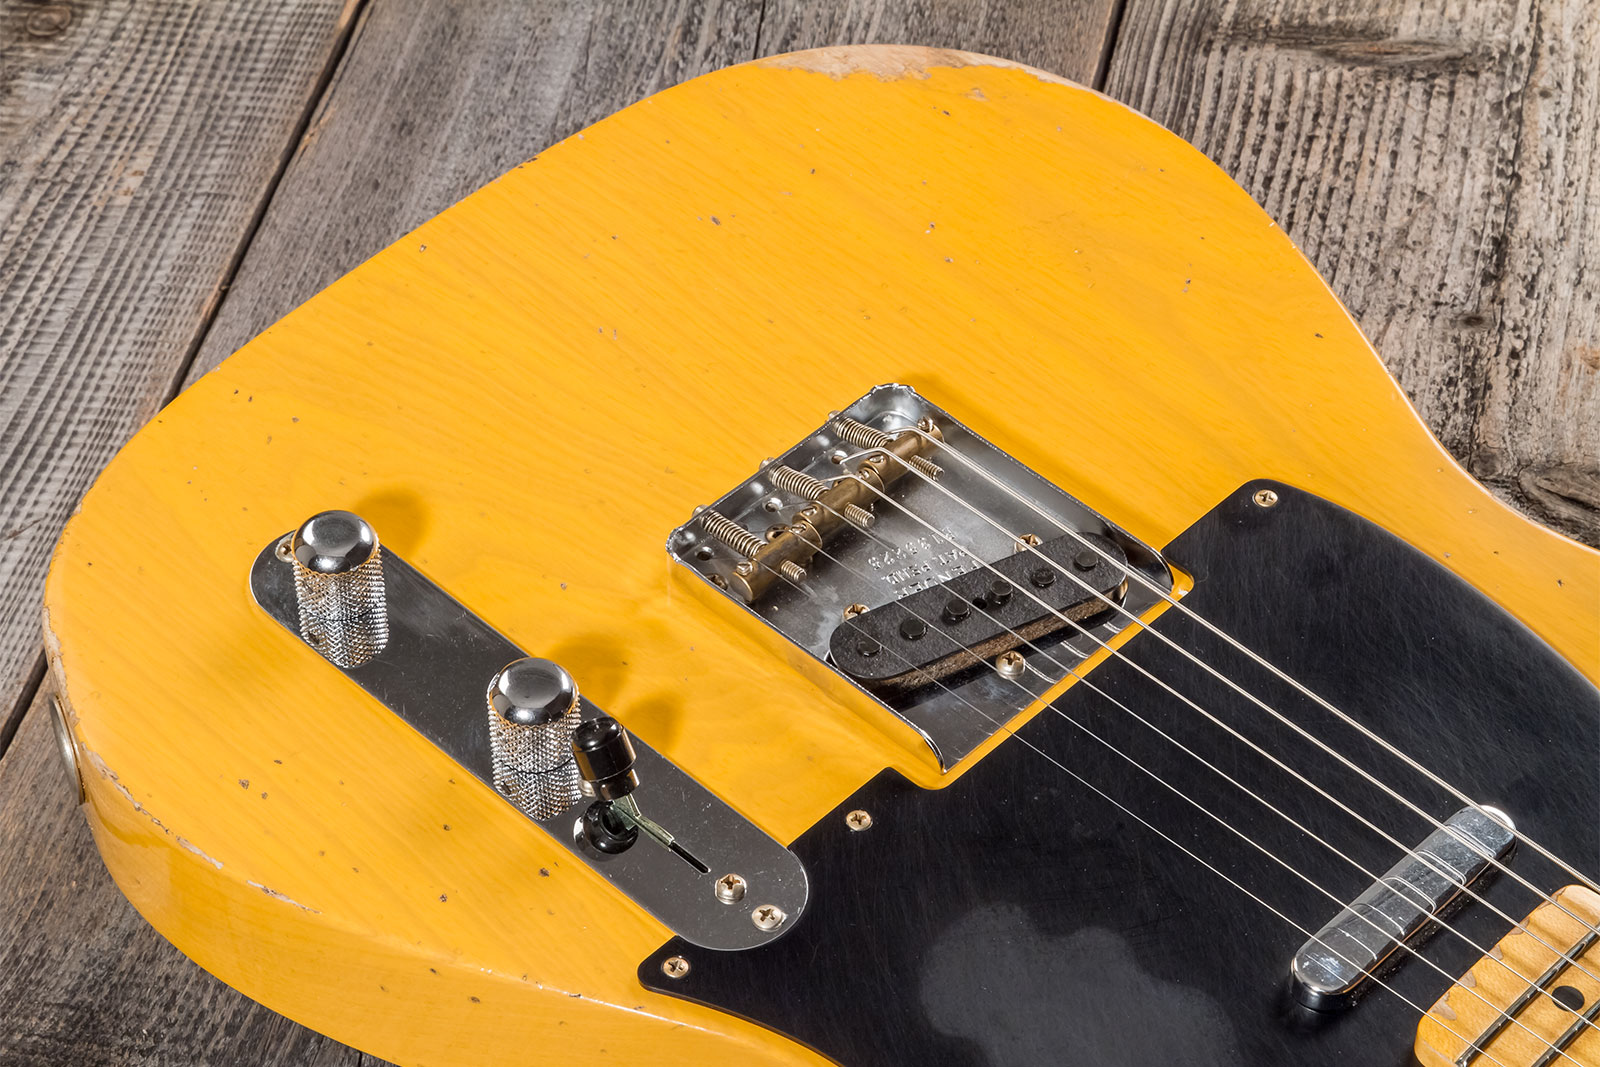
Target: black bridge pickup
980	615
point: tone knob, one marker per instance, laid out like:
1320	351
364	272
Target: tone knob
338	585
533	710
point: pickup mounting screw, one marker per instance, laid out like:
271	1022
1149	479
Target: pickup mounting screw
768	917
730	888
858	820
1027	541
674	966
1266	498
853	610
1010	664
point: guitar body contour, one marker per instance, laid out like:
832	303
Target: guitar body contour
527	394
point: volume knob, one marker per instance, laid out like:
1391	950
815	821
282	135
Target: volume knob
338	586
533	709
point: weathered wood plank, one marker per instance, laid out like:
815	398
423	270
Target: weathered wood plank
1070	38
84	980
137	144
1435	160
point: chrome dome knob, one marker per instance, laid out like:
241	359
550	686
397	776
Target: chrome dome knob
338	587
533	709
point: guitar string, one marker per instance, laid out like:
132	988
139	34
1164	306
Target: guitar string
1462	885
1495	861
1251	654
1001	727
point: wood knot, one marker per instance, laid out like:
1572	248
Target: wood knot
51	20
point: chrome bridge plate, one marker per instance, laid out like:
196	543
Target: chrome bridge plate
434	673
924	531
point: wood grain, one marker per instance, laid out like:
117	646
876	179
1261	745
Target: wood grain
1481	998
470	90
1436	162
1071	38
434	100
84	980
137	143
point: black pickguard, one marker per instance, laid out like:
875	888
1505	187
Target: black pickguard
1016	917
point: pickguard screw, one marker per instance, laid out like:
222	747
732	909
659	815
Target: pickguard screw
853	610
730	888
1266	498
768	917
674	966
858	820
1010	664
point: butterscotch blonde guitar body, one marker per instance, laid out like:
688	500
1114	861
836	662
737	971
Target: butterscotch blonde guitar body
530	391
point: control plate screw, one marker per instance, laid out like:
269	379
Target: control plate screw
730	888
858	820
768	917
674	966
1266	498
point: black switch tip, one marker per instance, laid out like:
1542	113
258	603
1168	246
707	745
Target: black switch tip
604	754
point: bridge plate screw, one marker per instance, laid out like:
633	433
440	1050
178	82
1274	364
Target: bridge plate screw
1009	664
1266	498
674	966
730	888
858	820
768	917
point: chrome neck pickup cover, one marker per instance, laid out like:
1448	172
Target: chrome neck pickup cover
889	499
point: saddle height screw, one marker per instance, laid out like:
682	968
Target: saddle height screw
533	710
1266	498
338	587
730	888
674	966
858	820
768	917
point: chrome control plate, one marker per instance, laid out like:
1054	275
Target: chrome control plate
924	531
434	672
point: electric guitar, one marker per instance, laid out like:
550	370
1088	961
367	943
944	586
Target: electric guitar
872	556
